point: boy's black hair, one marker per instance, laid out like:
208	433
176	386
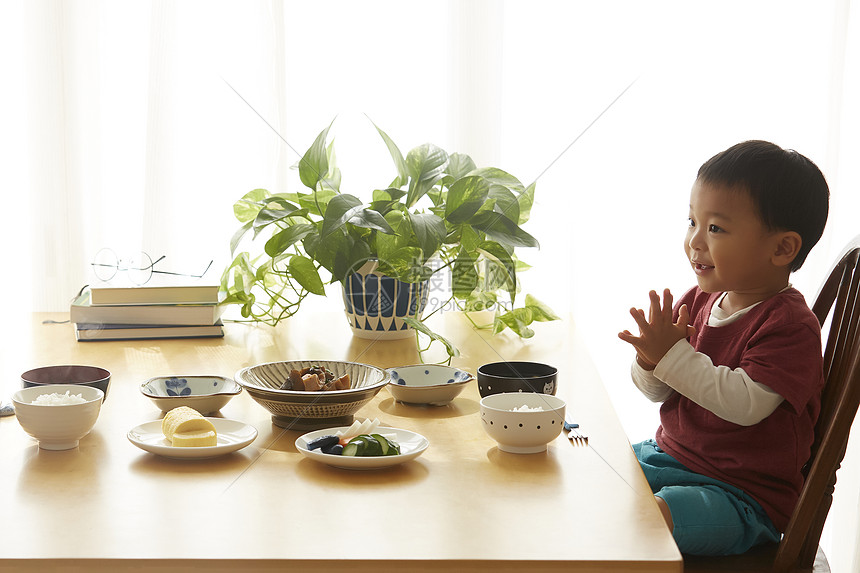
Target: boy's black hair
788	189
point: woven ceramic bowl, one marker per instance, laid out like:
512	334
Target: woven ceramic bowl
297	410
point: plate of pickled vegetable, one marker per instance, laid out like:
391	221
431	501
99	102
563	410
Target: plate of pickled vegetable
369	447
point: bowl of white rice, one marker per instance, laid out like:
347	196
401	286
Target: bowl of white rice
522	422
58	415
94	376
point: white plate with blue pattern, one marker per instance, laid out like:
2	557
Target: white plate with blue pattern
232	436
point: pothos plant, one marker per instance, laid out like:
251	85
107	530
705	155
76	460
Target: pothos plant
440	213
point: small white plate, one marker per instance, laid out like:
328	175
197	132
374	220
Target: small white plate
232	436
411	446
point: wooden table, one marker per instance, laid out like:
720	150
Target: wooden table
462	505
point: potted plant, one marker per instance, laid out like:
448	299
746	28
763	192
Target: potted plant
440	214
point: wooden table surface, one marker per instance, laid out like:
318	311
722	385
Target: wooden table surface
462	505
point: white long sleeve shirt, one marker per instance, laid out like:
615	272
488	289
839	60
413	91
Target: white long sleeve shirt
730	394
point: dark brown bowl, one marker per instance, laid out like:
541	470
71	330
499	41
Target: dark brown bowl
499	377
68	374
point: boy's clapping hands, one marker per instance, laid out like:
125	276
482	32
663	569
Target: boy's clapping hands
658	333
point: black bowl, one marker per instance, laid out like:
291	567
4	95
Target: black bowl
501	377
68	374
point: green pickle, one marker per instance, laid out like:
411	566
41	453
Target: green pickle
370	445
374	448
355	447
389	448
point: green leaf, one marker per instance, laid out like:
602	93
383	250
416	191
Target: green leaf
488	206
331	179
465	197
464	275
424	329
425	165
339	210
495	277
526	200
517	320
242	274
283	198
317	202
505	202
228	272
496	176
268	216
324	251
496	254
383	207
470	239
369	219
429	230
280	201
503	230
396	156
390	194
481	300
302	269
387	244
283	240
237	236
349	259
405	264
540	311
265	275
246	208
314	164
459	165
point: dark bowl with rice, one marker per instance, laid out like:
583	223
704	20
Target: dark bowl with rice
92	376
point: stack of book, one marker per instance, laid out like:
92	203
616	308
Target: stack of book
126	313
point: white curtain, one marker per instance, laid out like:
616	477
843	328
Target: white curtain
136	125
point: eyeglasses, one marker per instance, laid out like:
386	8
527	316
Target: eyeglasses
139	267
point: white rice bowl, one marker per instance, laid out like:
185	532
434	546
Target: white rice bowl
55	424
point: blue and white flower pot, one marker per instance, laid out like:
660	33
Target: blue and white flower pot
375	304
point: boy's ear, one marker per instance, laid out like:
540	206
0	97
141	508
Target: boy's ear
788	244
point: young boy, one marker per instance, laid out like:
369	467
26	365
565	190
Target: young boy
737	363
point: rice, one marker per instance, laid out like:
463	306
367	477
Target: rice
525	408
56	399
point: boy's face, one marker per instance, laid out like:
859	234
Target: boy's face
727	244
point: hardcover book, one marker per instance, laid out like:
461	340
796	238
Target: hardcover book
180	294
82	311
88	332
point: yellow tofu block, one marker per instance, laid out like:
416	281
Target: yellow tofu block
195	439
183	420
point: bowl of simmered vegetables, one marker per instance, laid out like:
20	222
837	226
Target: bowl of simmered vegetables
312	394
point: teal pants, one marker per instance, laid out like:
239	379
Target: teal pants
711	517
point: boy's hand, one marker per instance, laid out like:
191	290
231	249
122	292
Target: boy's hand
658	333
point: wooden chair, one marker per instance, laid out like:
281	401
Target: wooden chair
798	550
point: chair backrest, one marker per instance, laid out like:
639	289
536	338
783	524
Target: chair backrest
839	401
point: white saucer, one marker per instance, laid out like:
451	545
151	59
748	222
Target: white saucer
411	446
232	436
